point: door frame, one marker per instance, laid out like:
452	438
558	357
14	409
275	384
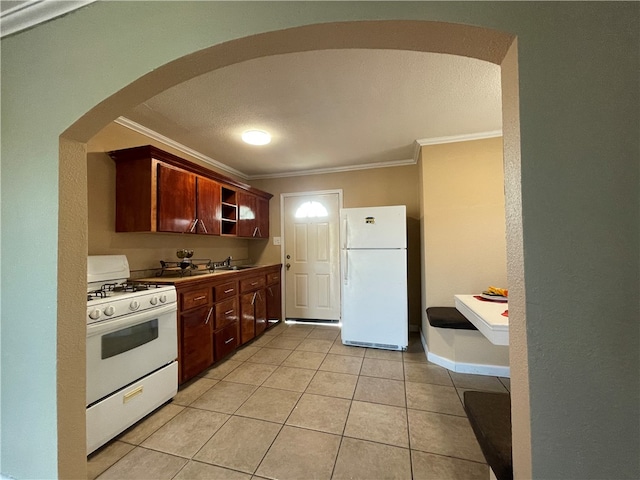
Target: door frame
283	284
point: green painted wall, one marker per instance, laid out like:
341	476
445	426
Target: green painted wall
579	103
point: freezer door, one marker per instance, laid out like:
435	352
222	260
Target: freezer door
374	308
374	227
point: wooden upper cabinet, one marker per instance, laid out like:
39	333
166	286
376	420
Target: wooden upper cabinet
262	214
246	214
136	199
176	200
253	216
160	192
187	203
208	206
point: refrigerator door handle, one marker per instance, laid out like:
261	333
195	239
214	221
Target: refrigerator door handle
346	267
345	226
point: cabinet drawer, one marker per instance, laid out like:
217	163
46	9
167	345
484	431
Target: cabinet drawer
251	284
226	290
273	277
194	298
226	340
226	312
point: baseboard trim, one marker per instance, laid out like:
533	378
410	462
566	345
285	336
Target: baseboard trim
472	368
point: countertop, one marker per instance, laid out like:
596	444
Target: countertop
486	316
194	277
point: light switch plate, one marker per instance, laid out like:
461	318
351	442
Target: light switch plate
277	240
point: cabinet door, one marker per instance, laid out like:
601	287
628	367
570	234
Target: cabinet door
274	304
226	312
260	311
196	342
247	317
209	206
247	226
226	340
262	217
176	209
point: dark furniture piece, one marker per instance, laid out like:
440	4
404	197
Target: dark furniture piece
490	416
448	317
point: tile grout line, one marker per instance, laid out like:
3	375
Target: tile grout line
316	371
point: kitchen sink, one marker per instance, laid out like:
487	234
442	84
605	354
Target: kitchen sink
235	267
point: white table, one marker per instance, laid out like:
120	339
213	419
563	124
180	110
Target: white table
486	316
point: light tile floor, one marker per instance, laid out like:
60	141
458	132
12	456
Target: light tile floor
297	404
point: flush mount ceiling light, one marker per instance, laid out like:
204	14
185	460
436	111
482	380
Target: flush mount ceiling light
256	137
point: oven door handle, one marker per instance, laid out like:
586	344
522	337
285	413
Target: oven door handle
107	326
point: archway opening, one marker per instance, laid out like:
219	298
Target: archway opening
434	37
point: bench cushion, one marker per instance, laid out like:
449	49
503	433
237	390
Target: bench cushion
448	317
490	416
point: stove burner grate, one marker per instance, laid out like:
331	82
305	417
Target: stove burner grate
131	287
96	294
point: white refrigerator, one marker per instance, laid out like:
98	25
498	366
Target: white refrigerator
374	277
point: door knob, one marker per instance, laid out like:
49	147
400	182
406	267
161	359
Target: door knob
288	265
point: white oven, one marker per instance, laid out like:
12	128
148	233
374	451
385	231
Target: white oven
125	349
132	348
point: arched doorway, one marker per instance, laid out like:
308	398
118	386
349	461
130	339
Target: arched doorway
435	37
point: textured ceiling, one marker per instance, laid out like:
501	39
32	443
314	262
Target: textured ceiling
327	109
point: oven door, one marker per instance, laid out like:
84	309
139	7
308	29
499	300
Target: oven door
122	350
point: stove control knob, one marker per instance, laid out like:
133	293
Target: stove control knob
110	310
163	298
153	300
95	314
135	305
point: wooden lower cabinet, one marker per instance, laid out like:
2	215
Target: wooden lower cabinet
260	304
196	342
247	319
225	340
273	293
253	307
217	314
274	304
225	336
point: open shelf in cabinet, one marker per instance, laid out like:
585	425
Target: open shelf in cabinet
229	211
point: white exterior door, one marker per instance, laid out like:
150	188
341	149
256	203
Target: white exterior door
312	256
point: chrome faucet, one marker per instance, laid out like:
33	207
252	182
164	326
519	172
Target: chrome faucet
226	263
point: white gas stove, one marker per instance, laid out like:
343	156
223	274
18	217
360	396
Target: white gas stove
132	346
110	295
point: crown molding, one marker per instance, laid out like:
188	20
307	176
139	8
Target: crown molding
458	138
136	127
33	12
348	168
